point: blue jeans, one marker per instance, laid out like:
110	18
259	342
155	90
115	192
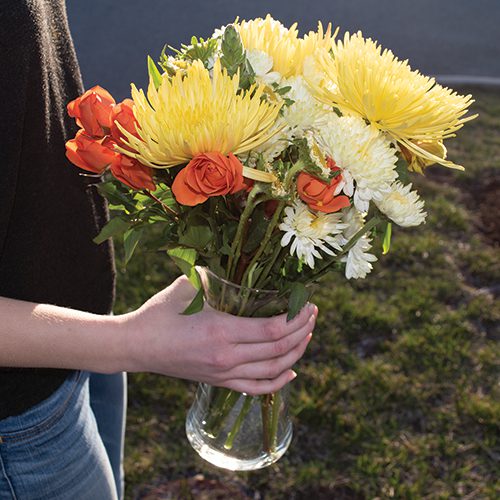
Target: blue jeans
54	450
108	400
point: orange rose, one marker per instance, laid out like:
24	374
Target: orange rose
206	175
320	195
123	113
89	153
92	111
132	173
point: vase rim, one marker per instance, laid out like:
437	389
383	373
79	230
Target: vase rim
234	285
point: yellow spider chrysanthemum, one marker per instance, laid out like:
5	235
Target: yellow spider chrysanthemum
194	113
362	79
283	44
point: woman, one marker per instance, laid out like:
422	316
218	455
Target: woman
56	289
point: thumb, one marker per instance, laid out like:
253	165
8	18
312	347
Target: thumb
183	289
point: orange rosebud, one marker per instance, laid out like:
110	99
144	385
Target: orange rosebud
132	173
206	175
320	195
123	113
270	207
89	153
92	111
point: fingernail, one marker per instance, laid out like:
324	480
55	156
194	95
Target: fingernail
294	375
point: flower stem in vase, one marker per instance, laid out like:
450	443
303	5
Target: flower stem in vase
224	402
266	428
230	429
247	403
275	411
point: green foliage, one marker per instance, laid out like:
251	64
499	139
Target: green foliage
402	170
196	304
130	241
386	245
115	227
154	74
196	234
233	52
299	295
117	195
185	259
234	59
199	49
256	231
309	165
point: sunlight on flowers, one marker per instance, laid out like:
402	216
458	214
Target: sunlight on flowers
191	114
362	79
287	50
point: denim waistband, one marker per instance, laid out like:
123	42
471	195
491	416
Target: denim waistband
43	414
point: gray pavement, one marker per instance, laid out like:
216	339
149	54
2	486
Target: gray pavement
456	40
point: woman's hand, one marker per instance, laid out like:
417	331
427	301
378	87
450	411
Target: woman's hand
251	355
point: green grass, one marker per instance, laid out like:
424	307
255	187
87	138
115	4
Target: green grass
398	394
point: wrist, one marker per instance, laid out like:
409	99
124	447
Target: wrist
127	332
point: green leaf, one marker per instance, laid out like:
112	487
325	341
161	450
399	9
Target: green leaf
114	227
196	304
283	90
299	295
247	75
386	245
185	259
257	230
197	233
225	249
154	74
110	191
130	240
200	49
402	170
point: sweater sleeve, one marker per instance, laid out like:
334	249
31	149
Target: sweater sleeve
14	68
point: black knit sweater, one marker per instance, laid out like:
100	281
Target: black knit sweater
48	211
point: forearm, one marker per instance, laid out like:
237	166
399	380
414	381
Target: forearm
47	336
252	355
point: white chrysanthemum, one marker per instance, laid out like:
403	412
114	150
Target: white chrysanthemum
218	34
358	260
298	119
311	232
306	112
272	148
262	64
364	155
403	206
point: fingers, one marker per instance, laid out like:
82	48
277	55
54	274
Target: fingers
250	353
270	368
257	387
254	330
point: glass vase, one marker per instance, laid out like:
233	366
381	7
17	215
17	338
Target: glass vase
227	428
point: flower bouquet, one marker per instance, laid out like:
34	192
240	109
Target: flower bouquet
260	160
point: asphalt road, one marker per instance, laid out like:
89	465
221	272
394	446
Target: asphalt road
457	40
